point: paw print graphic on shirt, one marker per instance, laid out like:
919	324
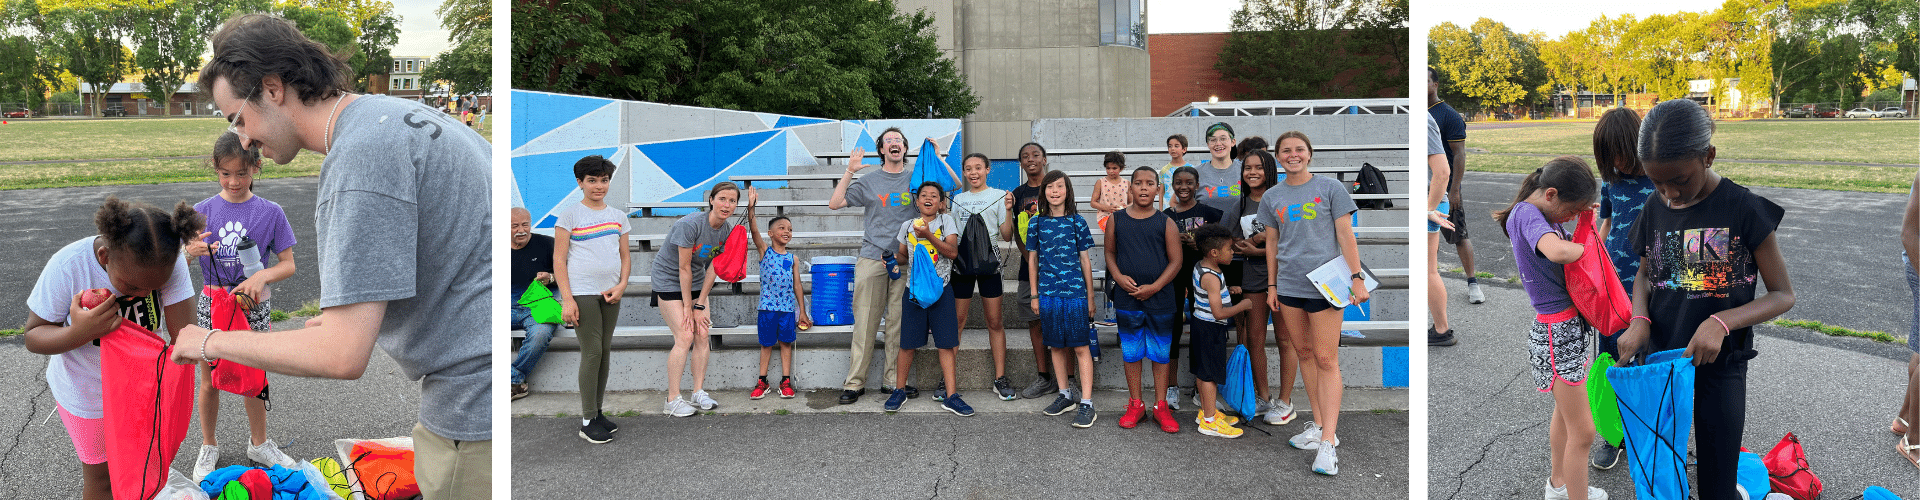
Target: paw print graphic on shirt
230	234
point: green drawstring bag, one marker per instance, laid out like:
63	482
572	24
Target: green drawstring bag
545	309
1603	403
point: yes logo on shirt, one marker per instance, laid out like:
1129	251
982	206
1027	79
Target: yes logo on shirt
896	199
1226	191
1299	211
708	252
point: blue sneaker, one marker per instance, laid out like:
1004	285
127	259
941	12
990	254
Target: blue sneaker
958	407
893	402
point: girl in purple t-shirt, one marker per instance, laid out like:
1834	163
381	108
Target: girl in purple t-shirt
233	215
1558	341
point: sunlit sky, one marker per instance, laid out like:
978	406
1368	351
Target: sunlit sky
1206	16
420	31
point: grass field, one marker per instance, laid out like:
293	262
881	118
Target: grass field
1864	141
1880	141
29	140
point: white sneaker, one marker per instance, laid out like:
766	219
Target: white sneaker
268	454
1593	493
1474	294
1328	463
679	407
1280	413
209	460
1173	398
1308	439
705	402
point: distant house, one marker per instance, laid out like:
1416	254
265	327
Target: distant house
403	81
135	99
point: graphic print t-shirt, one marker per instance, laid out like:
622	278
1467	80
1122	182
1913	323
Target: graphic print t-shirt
1219	188
691	231
1026	202
74	376
1701	260
889	201
923	251
1620	202
595	243
776	281
258	219
1059	241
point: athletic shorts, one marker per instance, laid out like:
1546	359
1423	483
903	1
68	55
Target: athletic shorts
1144	335
1024	311
89	436
1064	322
1435	228
1207	351
964	284
1234	272
1557	346
777	326
1310	305
938	322
660	296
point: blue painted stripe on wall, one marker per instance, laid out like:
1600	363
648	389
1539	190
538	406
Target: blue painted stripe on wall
692	162
1393	366
546	179
795	121
535	114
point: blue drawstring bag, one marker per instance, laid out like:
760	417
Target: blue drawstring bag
1656	410
1878	493
1238	392
924	285
1753	476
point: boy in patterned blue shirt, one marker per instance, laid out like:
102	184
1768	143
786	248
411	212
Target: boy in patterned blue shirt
783	305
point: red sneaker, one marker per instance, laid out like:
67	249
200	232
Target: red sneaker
1165	417
1135	410
786	388
759	390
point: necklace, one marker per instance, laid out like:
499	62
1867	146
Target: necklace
330	115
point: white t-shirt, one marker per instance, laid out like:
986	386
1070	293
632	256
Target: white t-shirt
597	239
74	376
990	203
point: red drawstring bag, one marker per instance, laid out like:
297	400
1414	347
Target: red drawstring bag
731	265
1787	467
385	469
227	375
1592	283
148	401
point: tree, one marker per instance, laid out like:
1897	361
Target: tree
90	41
377	34
1489	65
171	37
1302	49
838	60
468	66
324	26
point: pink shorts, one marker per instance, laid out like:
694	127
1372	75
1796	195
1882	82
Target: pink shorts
89	436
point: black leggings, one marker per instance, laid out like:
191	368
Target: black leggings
1720	418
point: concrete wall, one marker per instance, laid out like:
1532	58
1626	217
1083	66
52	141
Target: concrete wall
1324	130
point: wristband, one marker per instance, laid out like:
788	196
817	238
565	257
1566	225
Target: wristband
1723	324
1630	320
698	307
203	346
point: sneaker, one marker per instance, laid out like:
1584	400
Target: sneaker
1308	439
1004	388
851	396
786	388
1328	462
520	391
268	454
953	404
1059	406
893	402
1437	339
940	392
209	460
1604	455
679	407
1560	492
594	434
1135	410
1474	294
1219	428
705	402
1104	323
602	421
1222	416
1280	413
1173	397
912	392
1085	417
1165	417
1040	388
759	389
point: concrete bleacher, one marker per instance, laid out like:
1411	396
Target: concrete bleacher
821	361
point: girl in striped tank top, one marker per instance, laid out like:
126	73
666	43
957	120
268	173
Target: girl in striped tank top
1213	311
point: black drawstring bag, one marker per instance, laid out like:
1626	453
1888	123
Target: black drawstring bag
977	253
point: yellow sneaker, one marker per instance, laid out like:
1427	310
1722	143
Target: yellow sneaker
1218	427
1228	420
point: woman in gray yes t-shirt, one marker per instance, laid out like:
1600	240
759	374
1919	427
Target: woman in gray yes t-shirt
692	244
1308	225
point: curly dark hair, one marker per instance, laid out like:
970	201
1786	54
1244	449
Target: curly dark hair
249	47
151	236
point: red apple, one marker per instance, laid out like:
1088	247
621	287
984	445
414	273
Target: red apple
93	298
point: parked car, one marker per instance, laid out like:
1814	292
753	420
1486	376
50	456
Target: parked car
114	111
18	113
1862	113
1827	113
1800	111
1893	112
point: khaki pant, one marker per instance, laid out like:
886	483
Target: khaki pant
451	469
873	294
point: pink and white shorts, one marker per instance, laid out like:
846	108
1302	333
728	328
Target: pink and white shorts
89	436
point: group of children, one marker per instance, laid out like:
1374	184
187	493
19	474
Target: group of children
1691	258
137	256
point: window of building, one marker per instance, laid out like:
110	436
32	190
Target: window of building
396	66
1120	23
409	65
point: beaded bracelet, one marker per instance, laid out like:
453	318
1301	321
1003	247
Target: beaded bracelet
203	345
1723	324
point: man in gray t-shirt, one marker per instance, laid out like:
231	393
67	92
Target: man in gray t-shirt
889	202
405	261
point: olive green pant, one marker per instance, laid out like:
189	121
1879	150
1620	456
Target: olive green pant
595	332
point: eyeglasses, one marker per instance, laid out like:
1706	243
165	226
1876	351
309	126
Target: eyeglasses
893	140
1219	139
233	126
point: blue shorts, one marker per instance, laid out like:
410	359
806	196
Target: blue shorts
1064	322
1435	228
939	322
776	326
1207	351
1144	335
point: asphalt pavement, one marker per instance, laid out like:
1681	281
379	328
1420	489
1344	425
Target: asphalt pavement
1487	425
37	458
35	223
